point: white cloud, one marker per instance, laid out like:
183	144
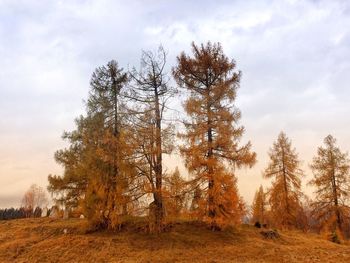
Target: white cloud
294	55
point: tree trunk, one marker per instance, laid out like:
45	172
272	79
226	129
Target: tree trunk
211	182
115	169
285	182
335	196
158	167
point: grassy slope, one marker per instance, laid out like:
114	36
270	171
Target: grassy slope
43	240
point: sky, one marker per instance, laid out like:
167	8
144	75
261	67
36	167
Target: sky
294	57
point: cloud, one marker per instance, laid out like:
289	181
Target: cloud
294	55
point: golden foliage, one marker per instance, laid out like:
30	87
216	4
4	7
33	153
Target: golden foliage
284	194
175	195
212	135
259	207
331	178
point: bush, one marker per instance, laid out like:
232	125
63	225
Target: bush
257	224
334	237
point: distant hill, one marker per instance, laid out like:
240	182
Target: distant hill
48	240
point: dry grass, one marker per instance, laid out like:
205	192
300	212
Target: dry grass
44	240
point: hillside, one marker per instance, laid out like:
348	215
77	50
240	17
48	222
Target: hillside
44	240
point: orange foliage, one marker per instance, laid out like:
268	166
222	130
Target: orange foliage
212	135
284	195
259	207
331	170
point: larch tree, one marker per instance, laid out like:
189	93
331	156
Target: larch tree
152	136
111	185
259	206
69	189
212	136
98	169
332	181
176	193
285	192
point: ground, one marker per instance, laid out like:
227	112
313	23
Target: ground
49	240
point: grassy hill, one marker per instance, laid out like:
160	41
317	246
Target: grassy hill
48	240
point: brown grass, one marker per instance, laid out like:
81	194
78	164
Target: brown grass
43	240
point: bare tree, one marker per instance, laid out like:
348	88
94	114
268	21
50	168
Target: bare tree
34	197
151	93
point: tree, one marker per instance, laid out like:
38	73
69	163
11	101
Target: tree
98	168
285	193
34	197
37	212
12	213
69	189
151	92
176	193
196	200
110	170
259	206
331	178
212	136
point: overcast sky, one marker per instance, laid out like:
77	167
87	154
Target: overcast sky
294	56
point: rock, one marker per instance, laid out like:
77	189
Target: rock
270	234
257	224
44	212
54	212
82	216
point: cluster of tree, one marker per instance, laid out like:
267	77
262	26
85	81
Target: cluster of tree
284	204
22	212
113	166
12	213
32	204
